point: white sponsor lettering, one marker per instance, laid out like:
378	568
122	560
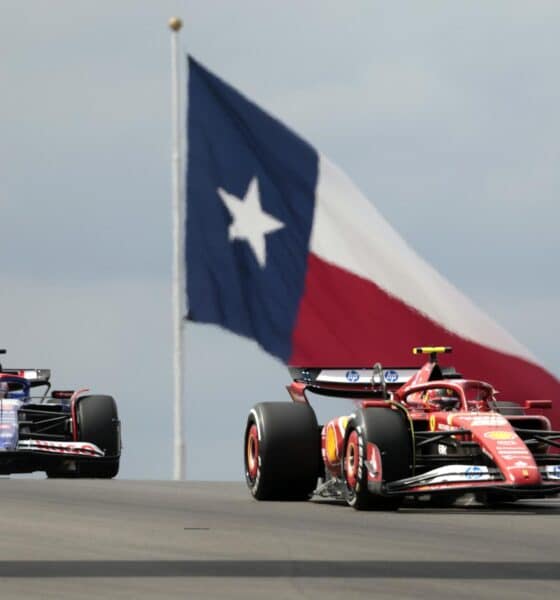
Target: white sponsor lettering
76	448
455	474
552	471
362	375
487	421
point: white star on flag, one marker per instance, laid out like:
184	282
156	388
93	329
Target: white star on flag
250	222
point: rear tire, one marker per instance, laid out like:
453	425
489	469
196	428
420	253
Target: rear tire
282	451
388	430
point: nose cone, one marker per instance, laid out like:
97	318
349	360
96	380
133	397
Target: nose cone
527	474
511	456
497	437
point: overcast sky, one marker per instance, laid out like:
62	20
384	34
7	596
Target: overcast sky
444	113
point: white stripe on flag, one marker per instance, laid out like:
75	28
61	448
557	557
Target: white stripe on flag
350	233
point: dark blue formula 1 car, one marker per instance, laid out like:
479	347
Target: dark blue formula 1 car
66	433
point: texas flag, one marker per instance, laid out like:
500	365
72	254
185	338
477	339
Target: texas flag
283	248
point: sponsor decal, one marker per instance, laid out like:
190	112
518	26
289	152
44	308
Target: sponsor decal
360	456
373	463
331	445
76	448
514	456
487	421
553	471
352	376
432	423
474	472
526	468
454	474
9	426
499	435
391	376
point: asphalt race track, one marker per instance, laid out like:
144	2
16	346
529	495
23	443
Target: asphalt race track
133	539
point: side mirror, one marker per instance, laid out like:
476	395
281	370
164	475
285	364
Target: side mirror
538	404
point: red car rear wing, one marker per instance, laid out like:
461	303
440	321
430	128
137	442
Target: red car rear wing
349	377
354	381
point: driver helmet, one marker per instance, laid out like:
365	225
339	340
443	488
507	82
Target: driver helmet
441	399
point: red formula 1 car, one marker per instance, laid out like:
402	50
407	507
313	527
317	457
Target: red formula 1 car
66	433
413	432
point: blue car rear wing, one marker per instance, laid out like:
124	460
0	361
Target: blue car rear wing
35	377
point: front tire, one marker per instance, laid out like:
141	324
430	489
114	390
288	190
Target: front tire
282	451
98	423
388	430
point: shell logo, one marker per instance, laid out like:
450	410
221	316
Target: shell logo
334	436
499	435
331	445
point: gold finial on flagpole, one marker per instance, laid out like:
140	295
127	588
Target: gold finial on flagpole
175	23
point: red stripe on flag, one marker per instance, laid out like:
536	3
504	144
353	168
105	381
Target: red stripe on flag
344	320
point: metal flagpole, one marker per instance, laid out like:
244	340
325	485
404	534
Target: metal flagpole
178	202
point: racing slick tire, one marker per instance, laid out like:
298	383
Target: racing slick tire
282	451
98	423
388	429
